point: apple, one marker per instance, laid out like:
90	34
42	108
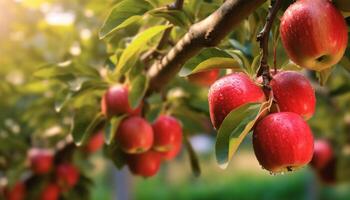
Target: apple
50	192
146	164
116	102
16	192
134	135
283	142
41	160
293	93
167	131
314	34
95	142
169	155
323	154
228	93
67	175
343	5
205	78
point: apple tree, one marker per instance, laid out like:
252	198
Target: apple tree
139	78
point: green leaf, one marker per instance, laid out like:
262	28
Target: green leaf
62	99
233	130
122	15
217	63
193	157
80	137
239	55
324	75
62	71
132	52
205	56
176	17
111	128
138	90
114	152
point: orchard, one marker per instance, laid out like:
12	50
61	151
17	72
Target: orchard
174	99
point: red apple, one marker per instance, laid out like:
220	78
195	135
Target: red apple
146	164
50	192
41	160
134	135
95	143
314	34
283	142
167	131
67	175
169	155
294	93
17	192
116	102
205	78
228	93
343	5
323	154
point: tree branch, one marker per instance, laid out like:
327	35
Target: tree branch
263	38
206	33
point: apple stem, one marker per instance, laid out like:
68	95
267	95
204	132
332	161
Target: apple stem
263	38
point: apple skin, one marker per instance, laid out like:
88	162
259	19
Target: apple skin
342	5
67	175
17	192
50	192
205	78
230	92
146	164
116	102
95	143
323	154
167	131
135	135
294	93
282	142
314	34
41	160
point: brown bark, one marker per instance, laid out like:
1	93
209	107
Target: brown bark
206	33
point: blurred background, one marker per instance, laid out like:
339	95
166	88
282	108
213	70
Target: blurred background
37	32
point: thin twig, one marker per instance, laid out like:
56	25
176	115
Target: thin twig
263	38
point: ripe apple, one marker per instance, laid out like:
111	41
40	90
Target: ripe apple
167	131
283	142
169	155
17	192
205	78
145	164
95	143
323	154
134	135
116	102
50	192
67	175
41	160
228	93
314	34
294	93
343	5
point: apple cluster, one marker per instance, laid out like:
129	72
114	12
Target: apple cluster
282	139
324	161
62	176
145	145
